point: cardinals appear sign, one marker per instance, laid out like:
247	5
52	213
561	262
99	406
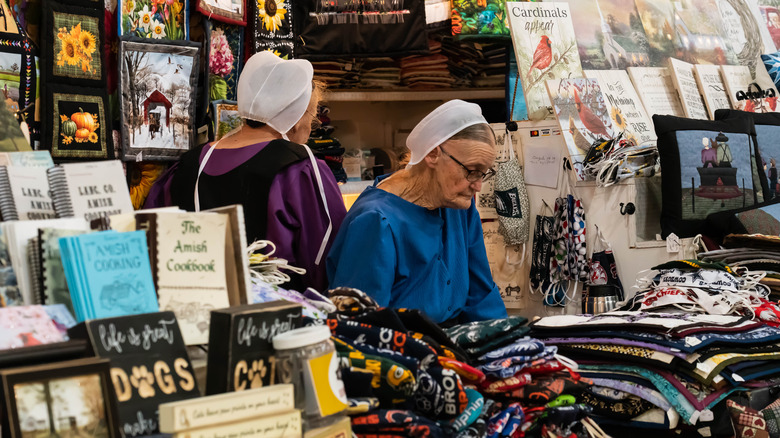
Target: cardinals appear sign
545	47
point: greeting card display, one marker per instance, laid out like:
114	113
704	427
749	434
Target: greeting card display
241	354
71	43
625	108
78	125
546	48
684	78
158	85
712	88
149	365
656	88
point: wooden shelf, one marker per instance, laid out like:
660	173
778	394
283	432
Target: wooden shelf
414	95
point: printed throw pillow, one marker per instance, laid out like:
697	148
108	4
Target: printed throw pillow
747	422
708	167
771	415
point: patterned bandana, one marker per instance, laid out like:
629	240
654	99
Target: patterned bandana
473	410
396	423
351	301
703	279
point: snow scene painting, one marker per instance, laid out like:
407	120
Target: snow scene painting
157	99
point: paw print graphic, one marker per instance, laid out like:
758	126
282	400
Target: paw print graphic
257	373
143	381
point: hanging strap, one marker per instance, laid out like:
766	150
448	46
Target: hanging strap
196	195
324	204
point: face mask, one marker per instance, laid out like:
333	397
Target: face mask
702	279
542	249
512	203
603	268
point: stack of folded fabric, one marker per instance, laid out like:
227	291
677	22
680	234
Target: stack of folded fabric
428	71
492	68
667	369
405	376
326	147
757	253
337	73
380	73
462	60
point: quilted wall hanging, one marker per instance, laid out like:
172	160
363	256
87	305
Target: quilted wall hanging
227	11
709	167
226	59
226	118
156	20
71	45
80	127
270	27
17	69
158	93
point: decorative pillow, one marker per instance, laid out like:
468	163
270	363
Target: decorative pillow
158	91
760	219
771	415
77	124
218	10
72	40
767	132
707	167
772	64
747	422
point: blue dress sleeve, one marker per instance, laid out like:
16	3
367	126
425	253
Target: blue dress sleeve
484	301
364	256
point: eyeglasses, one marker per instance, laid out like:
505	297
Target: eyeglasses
472	175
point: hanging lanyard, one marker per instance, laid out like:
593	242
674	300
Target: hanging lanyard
320	186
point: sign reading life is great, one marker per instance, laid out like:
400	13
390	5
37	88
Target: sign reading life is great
149	365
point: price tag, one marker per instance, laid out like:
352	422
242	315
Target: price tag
673	244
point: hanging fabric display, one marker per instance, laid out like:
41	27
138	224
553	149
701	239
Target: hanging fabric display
569	261
542	249
225	59
270	27
479	19
16	49
512	203
603	268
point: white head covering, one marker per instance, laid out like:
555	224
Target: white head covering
442	123
274	91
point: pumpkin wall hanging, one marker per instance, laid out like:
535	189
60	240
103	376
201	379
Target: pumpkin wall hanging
79	128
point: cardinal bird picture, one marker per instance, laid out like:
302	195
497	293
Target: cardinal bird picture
591	121
542	56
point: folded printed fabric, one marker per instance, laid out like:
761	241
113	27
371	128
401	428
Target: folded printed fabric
475	333
392	383
521	347
417	321
510	366
396	423
383	317
478	428
417	61
623	409
408	362
464	370
543	390
508	384
506	422
351	301
357	381
385	338
693	265
440	394
472	412
362	405
747	422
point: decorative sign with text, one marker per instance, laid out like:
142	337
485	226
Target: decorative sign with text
149	365
241	354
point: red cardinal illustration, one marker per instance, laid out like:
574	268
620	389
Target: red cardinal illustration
591	121
542	55
772	101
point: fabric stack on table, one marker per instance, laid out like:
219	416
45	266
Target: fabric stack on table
405	376
491	71
427	71
380	73
757	253
338	73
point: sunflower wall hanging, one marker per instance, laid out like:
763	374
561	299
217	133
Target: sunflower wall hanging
73	45
271	25
155	19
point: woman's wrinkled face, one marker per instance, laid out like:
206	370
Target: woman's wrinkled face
455	189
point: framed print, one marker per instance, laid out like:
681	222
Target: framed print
78	126
226	59
158	91
150	19
226	117
73	398
228	11
45	353
71	40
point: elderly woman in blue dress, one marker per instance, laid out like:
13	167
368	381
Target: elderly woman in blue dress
414	239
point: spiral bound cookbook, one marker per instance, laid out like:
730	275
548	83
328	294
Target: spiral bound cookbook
89	190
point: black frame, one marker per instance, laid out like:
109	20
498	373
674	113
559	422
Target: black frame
106	128
187	48
9	378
